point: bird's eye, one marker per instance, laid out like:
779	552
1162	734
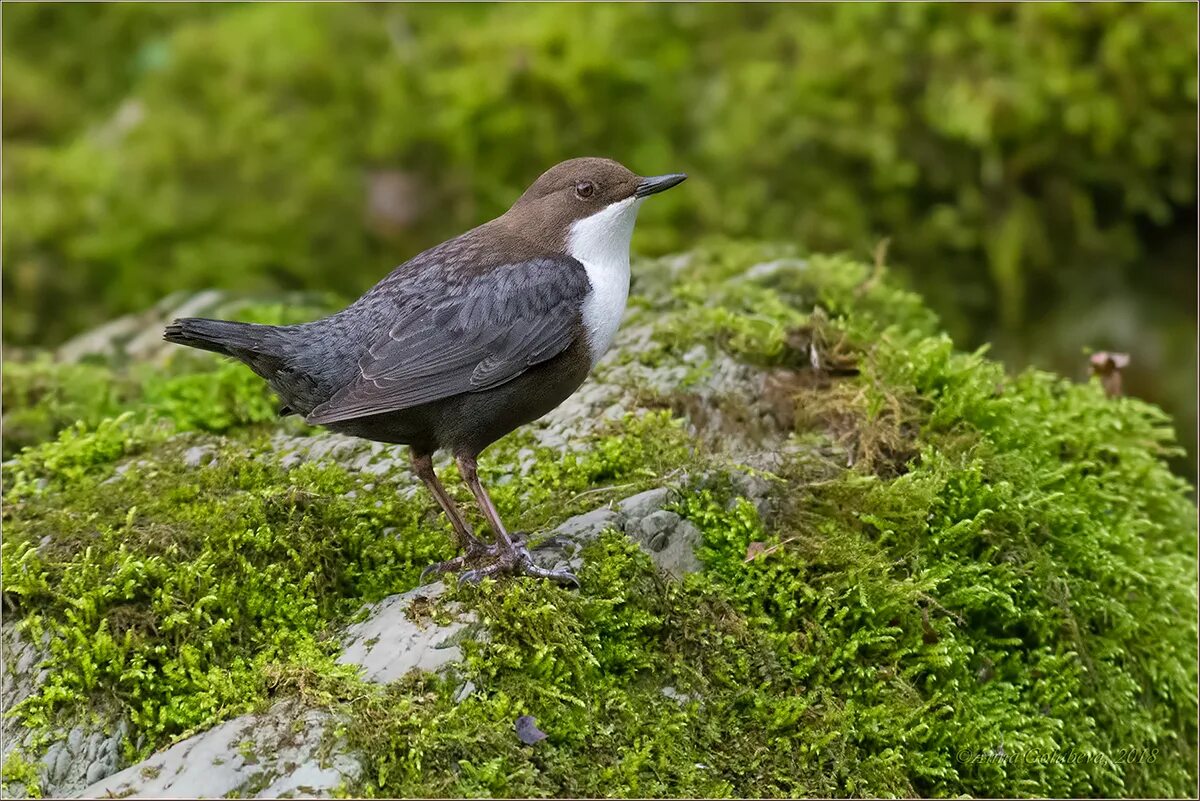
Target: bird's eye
585	189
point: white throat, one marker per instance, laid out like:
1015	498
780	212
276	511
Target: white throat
601	244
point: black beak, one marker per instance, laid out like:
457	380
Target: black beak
658	183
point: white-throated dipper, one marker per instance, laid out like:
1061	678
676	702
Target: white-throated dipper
467	341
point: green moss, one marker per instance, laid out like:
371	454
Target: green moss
1017	539
42	397
971	588
77	454
226	397
961	567
624	457
173	589
590	666
196	393
19	770
185	594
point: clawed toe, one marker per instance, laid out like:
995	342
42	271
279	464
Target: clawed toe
439	568
480	573
515	562
473	554
508	556
564	577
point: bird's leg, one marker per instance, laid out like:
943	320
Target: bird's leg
512	557
423	466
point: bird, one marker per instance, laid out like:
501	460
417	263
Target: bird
465	342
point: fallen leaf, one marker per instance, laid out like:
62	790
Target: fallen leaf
754	549
527	730
757	549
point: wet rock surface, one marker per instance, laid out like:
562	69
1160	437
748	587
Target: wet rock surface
282	753
396	637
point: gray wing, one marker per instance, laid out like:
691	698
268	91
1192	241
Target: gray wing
451	337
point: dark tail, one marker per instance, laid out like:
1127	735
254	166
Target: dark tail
262	348
239	340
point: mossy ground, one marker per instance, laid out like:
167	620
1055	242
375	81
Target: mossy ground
962	570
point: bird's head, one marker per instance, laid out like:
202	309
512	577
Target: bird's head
586	206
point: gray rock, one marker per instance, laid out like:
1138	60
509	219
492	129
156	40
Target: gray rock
652	528
586	527
389	643
670	540
138	336
22	671
697	355
675	695
56	763
199	303
311	779
357	455
645	503
278	751
84	754
199	455
97	771
754	487
768	269
677	556
104	340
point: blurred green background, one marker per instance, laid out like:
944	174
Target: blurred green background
1033	166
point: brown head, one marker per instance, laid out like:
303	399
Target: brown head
580	189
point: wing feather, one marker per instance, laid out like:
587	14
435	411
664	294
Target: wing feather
476	334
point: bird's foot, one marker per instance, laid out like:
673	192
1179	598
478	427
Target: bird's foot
517	561
448	566
498	560
476	551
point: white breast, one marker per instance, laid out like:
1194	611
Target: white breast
601	244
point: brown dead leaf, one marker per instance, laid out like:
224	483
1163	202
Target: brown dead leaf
754	549
757	549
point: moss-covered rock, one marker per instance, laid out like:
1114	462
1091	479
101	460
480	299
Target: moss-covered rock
920	575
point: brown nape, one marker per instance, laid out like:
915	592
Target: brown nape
549	207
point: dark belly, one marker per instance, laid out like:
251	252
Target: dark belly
470	422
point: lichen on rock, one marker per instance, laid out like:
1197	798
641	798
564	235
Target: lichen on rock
821	553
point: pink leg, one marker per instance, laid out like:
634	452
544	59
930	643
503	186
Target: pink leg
423	467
